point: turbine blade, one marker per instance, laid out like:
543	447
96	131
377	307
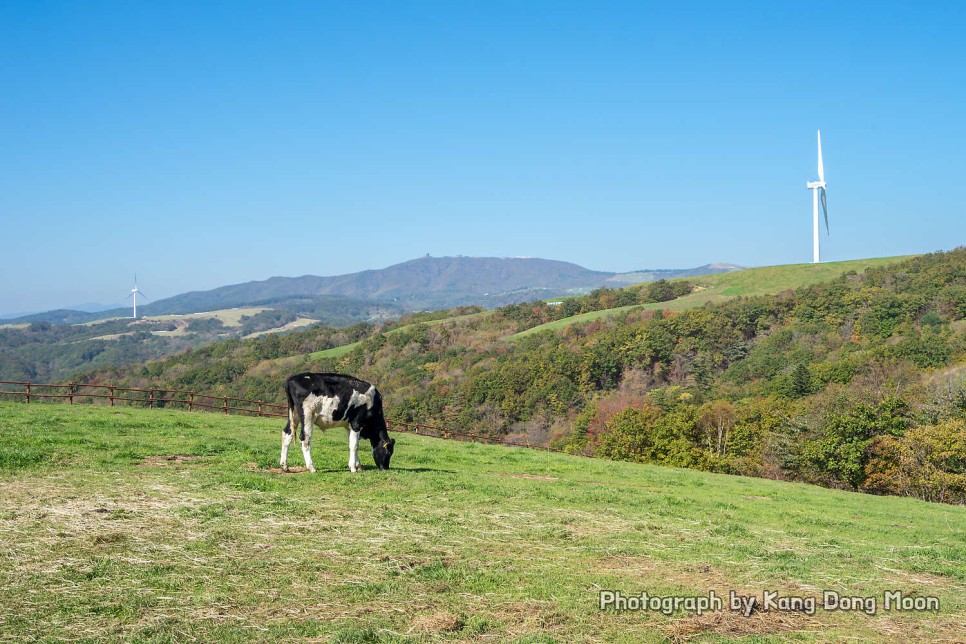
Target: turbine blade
821	166
825	210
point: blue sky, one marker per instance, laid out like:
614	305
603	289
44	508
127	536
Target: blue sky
203	144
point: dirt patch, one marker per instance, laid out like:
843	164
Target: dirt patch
174	459
532	477
436	623
293	469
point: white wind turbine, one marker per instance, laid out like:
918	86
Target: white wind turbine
134	294
818	187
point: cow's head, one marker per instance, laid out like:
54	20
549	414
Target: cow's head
382	452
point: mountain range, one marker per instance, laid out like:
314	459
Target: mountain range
421	284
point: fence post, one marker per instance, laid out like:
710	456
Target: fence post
70	392
150	398
111	396
260	408
27	392
226	405
191	399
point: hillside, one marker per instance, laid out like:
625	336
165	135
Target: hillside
44	352
335	310
721	287
161	525
857	382
31	350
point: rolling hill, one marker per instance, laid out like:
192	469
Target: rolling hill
721	287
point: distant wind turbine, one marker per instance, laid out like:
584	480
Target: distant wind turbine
134	294
818	187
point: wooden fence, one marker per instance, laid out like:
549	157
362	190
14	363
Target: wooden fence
157	398
152	398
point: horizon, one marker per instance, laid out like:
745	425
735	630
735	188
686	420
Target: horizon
202	146
97	307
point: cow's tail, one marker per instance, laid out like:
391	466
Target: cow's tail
291	423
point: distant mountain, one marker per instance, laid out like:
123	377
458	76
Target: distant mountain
654	274
64	316
87	307
434	283
421	284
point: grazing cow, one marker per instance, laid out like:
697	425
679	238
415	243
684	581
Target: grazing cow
333	400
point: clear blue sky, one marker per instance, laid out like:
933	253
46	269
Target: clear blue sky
207	143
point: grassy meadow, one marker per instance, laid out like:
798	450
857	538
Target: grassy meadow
720	287
129	524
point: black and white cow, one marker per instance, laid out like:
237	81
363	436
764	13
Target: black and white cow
333	400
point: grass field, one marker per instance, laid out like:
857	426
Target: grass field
290	326
766	280
125	524
228	317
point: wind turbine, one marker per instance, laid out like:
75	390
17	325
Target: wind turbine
818	187
134	294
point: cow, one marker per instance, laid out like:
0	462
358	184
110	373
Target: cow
334	400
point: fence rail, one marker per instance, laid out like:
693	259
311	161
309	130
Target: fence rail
155	397
158	397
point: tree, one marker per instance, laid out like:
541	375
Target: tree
932	462
717	419
845	449
628	436
801	381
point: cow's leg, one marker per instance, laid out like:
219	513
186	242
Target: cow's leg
308	421
354	464
287	434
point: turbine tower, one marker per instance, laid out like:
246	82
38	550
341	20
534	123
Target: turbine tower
818	187
134	294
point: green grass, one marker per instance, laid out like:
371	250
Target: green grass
334	352
106	537
767	280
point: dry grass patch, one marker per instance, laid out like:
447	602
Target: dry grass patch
730	624
440	622
292	469
174	459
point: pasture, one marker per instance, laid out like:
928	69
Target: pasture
129	524
228	317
